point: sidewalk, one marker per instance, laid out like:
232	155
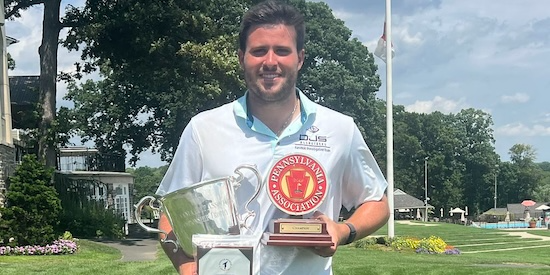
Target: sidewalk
135	249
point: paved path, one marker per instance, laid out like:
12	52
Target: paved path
528	235
417	223
135	249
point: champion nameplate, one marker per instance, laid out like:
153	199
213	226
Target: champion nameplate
297	184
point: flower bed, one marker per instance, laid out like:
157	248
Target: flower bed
59	247
431	245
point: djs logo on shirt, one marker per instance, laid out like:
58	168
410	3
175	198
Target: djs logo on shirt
312	140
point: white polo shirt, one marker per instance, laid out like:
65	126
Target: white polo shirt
217	141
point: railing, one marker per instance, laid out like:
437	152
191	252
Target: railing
94	161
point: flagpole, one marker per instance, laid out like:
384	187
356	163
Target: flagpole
389	121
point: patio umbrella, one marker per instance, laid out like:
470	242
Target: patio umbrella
507	219
543	207
528	203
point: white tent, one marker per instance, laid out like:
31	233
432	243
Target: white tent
458	211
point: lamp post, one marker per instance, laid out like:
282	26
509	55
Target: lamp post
426	189
496	170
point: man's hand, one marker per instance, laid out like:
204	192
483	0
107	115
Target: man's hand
367	218
338	232
184	264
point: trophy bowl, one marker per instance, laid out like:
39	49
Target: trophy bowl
207	207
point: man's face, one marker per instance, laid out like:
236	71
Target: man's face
271	62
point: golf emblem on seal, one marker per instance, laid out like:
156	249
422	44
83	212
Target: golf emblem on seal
297	184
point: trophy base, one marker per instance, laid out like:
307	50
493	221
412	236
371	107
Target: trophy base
276	239
297	232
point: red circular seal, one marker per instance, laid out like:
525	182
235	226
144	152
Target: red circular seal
297	184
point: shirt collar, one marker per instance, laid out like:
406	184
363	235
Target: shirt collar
307	109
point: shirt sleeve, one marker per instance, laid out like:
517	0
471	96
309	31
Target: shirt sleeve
363	179
186	166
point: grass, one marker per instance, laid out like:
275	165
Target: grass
92	258
531	256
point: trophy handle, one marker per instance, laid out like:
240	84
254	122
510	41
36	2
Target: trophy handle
139	207
253	168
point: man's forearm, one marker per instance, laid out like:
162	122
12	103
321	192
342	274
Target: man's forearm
369	217
183	263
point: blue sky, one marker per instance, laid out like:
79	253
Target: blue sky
450	55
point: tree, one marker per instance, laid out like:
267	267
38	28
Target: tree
33	205
477	152
51	26
460	157
147	180
162	62
528	174
507	177
159	71
522	154
432	137
542	191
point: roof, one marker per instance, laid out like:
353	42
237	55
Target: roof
515	209
457	210
402	200
496	212
24	90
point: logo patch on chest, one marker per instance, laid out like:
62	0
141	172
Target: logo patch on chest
297	184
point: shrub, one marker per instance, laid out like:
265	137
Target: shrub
365	242
83	215
32	212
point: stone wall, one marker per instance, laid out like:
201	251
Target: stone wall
7	167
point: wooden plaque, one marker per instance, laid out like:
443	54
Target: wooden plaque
297	232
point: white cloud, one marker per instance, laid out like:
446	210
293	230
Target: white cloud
520	129
28	31
518	97
437	104
409	39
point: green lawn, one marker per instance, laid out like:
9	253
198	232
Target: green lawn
483	253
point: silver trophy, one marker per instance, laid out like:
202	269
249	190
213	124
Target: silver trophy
207	207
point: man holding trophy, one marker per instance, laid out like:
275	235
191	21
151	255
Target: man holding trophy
312	160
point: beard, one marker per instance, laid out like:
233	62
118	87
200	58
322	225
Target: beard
267	92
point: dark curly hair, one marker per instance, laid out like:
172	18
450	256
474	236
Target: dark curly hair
272	12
